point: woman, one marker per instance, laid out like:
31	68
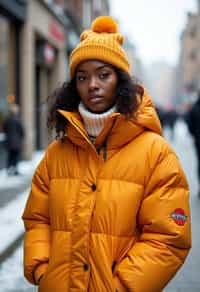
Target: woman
108	210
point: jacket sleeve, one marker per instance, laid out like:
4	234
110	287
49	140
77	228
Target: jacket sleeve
36	221
164	238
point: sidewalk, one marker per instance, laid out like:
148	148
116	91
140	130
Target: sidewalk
14	191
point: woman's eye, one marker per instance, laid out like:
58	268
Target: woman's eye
81	78
104	75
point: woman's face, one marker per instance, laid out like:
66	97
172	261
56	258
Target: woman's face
96	84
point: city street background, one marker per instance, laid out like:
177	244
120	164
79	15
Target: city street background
36	40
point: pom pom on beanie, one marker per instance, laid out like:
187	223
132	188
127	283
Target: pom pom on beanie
104	24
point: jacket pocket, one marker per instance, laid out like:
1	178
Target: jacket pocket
40	272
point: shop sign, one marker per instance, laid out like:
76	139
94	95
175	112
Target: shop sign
56	32
49	54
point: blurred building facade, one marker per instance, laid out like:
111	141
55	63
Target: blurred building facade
80	14
188	70
136	66
36	38
160	76
12	18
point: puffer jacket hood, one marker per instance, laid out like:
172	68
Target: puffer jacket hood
94	220
122	130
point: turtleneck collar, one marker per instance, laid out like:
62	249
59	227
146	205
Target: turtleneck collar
94	123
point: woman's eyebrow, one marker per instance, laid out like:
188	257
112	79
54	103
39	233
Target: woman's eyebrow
104	66
81	71
98	68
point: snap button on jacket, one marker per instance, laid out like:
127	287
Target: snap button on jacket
85	212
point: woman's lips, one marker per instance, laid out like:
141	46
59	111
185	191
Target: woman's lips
95	98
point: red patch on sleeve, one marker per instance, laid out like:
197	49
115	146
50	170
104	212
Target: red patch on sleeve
179	217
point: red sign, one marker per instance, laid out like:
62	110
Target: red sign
49	54
56	32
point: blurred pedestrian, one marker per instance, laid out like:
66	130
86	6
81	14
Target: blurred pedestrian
161	114
14	134
193	122
171	117
108	209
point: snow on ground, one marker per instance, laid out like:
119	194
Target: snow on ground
11	225
11	275
26	168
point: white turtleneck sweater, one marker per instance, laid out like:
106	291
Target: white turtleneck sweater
94	123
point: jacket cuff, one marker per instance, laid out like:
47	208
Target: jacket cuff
39	271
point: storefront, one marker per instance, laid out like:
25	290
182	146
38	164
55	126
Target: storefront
43	63
45	58
4	45
12	17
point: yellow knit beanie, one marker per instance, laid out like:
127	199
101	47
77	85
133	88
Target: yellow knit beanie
102	42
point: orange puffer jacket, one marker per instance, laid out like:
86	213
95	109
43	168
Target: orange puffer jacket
117	215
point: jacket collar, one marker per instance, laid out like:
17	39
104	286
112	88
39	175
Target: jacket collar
118	130
76	131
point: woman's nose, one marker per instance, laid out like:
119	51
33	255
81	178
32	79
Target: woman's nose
93	84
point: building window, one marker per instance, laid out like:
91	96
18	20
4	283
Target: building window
193	56
86	13
97	8
193	32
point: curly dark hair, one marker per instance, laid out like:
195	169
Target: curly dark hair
128	97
